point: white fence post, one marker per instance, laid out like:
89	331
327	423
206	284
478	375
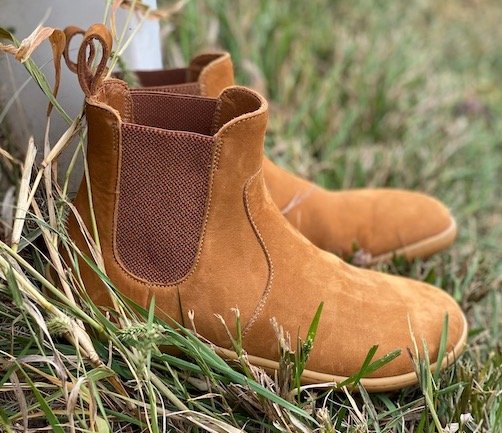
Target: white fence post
26	117
145	51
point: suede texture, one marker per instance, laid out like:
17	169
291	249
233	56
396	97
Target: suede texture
362	308
378	221
250	258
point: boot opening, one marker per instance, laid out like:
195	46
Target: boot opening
178	112
173	112
192	114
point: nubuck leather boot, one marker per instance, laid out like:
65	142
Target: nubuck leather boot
382	223
184	215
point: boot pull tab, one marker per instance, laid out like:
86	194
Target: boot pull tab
70	32
89	79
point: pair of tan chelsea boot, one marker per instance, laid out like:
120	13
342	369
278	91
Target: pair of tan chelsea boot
188	210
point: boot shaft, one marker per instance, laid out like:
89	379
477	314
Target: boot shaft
151	159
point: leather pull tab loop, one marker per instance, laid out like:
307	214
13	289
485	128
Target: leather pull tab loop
89	79
70	32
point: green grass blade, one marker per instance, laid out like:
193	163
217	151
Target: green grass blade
442	349
51	418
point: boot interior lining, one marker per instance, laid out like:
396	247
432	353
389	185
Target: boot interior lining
163	77
173	112
191	113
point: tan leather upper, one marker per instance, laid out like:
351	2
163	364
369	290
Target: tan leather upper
377	220
249	257
246	255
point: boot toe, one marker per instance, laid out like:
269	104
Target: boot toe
382	222
424	309
410	224
409	313
362	309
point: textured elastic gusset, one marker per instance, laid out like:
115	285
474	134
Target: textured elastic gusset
173	112
163	190
165	80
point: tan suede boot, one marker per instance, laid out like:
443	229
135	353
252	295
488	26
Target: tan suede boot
183	215
381	222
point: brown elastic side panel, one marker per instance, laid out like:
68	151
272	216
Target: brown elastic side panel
173	112
163	189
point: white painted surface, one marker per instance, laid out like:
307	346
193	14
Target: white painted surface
26	116
144	51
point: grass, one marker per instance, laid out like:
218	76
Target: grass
363	93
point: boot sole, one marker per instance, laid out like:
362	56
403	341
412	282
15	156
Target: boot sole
377	384
423	248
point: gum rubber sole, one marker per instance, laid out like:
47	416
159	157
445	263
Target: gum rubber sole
377	384
423	248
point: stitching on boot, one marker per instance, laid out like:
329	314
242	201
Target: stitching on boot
218	144
217	117
176	284
268	288
109	111
215	162
108	83
112	116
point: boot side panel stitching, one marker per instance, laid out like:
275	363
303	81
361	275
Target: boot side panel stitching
218	145
206	218
109	112
217	117
215	158
268	288
217	153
